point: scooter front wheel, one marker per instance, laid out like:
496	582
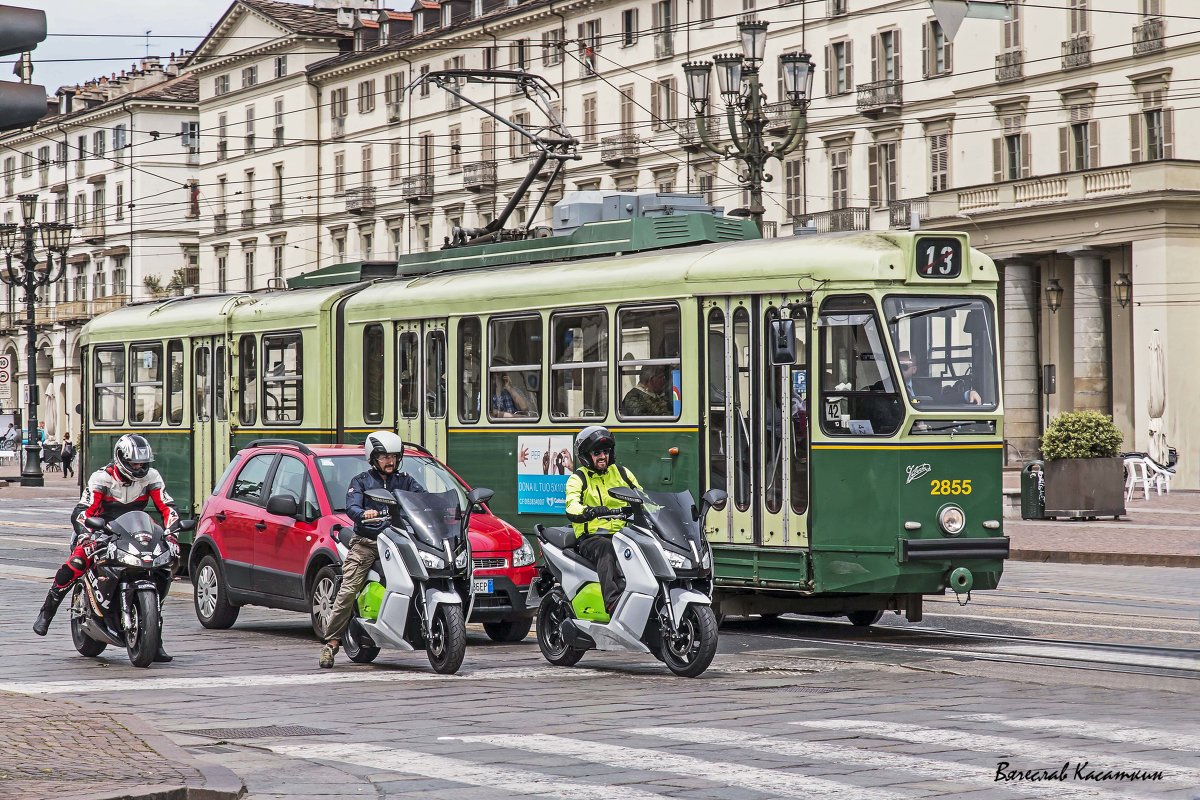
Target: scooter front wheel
447	642
552	613
689	652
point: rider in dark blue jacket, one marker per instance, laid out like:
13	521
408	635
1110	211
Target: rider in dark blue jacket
357	502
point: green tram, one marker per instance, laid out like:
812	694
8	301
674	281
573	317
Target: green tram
844	389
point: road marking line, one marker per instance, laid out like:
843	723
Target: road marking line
137	684
1120	657
56	542
773	783
491	776
839	753
1096	730
49	526
1038	752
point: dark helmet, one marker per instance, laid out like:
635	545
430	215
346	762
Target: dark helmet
381	443
133	456
592	440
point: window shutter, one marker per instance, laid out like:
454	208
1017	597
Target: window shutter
875	57
1135	137
873	174
655	105
949	59
829	69
926	61
1026	156
893	190
1093	159
849	66
998	159
896	53
1064	148
1168	132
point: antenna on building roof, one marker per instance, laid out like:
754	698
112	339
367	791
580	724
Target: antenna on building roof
148	43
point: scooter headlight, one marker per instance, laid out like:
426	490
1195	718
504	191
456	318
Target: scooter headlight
460	561
523	556
431	561
677	561
706	559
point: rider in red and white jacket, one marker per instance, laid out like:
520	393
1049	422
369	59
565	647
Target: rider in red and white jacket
129	483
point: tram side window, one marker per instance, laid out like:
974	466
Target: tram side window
435	374
717	444
515	367
108	369
373	373
579	365
407	372
175	387
248	379
145	384
201	369
219	367
858	393
650	376
282	398
470	368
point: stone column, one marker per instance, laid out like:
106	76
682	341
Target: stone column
1090	326
1022	402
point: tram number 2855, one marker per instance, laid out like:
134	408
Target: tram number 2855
939	257
950	487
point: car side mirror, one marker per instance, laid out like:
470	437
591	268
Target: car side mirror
283	505
715	498
187	524
95	523
783	342
480	495
626	495
381	496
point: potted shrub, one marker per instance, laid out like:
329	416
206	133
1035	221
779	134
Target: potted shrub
1085	475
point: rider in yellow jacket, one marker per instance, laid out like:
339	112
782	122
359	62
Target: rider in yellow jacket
587	496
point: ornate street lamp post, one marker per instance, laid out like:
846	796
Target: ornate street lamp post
741	90
21	241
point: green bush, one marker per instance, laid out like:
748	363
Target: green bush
1081	434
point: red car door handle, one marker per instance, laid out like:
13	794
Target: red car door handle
220	515
261	525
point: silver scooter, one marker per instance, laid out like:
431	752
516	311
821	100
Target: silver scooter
419	592
666	607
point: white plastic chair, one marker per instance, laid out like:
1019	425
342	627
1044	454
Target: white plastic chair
1159	476
1137	470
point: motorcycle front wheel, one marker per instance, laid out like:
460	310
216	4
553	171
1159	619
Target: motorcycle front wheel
141	640
447	642
86	645
554	610
689	652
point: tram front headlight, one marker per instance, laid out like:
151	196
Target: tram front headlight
952	520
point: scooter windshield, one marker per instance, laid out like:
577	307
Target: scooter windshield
434	516
672	515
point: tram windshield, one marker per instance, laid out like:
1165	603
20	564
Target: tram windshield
944	347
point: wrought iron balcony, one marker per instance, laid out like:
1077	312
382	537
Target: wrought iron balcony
417	188
248	216
480	176
843	219
878	97
220	222
393	112
102	305
360	200
619	150
277	212
779	116
1148	37
93	232
664	45
900	212
689	137
1077	51
1010	66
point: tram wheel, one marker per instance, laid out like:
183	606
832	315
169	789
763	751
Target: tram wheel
864	619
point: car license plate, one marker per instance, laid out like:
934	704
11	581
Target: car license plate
482	586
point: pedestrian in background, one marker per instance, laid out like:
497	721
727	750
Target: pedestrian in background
68	456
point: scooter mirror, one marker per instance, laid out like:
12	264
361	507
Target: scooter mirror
715	498
187	525
480	495
95	523
626	495
381	496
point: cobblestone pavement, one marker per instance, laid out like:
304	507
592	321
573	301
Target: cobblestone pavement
792	709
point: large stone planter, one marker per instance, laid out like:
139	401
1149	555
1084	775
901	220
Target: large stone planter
1085	487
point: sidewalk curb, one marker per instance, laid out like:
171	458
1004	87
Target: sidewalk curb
1110	559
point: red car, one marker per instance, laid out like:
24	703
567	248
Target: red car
245	555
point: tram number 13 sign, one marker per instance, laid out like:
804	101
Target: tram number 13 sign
939	257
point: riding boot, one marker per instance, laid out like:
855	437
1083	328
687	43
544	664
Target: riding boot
53	598
161	656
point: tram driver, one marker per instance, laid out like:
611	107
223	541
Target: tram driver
960	391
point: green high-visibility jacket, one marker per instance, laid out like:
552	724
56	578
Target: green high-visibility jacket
587	487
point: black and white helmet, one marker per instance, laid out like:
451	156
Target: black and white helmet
591	440
382	443
133	456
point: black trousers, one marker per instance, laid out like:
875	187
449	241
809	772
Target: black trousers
598	548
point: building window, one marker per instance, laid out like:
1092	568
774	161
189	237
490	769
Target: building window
220	84
839	77
277	246
663	109
395	162
627	110
882	173
590	118
664	179
339	103
885	56
366	96
793	174
119	287
279	122
455	138
1079	142
1152	130
339	246
249	76
222	141
249	129
222	271
98	140
552	43
248	258
839	177
339	172
1011	155
589	45
368	167
937	52
1013	27
939	162
424	91
629	27
280	66
518	144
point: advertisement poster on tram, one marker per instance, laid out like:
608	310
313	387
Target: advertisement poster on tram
543	465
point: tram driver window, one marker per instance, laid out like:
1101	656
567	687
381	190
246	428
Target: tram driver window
579	366
650	378
944	348
282	399
515	368
108	369
859	395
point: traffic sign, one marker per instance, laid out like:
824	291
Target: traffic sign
5	363
5	383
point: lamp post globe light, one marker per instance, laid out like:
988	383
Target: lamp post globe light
19	243
746	116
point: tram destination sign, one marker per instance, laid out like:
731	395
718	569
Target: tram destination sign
939	257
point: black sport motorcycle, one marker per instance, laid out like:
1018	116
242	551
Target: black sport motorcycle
119	600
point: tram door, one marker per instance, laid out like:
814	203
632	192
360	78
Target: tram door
210	415
756	422
421	392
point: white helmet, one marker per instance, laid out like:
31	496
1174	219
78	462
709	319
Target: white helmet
382	443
